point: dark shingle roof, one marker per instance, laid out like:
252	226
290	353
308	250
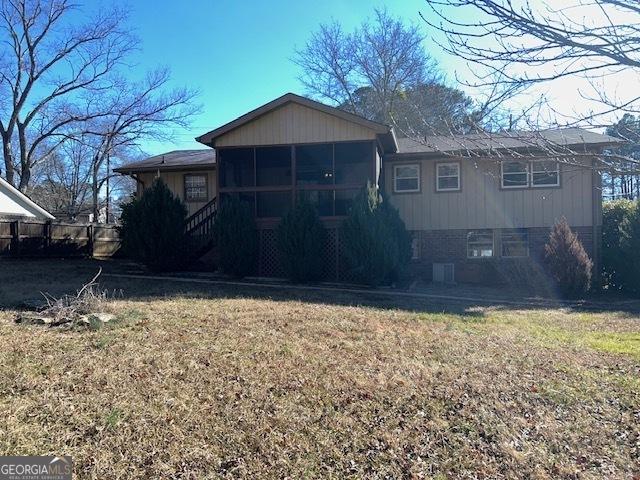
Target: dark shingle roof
562	137
177	159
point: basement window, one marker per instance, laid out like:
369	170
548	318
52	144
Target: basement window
480	244
515	244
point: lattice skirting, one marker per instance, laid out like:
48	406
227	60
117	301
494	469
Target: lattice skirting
270	262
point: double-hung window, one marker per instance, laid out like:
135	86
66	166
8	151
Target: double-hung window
448	177
545	173
195	188
515	174
406	178
515	243
480	244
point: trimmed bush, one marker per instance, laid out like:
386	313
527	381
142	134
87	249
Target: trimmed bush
377	245
615	263
301	241
630	247
236	238
567	261
152	229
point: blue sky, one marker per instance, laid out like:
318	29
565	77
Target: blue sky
238	53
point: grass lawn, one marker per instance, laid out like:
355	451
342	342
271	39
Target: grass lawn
195	381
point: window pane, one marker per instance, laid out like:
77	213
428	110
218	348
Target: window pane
273	204
480	244
514	180
314	164
236	167
515	244
273	166
321	199
354	162
406	171
514	167
545	179
344	200
448	170
448	183
406	184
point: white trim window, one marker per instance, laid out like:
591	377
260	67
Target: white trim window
515	244
514	174
195	187
406	178
480	244
448	177
545	173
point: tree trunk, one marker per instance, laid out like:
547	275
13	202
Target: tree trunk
8	157
25	167
94	191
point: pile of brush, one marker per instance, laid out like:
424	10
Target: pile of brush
83	309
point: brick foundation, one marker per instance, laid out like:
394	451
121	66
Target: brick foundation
450	246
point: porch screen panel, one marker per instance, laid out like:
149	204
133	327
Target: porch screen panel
236	167
273	166
273	204
353	162
322	200
344	200
314	164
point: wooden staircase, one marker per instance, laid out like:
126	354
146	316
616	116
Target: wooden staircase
199	227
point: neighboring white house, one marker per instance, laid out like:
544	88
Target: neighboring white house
17	206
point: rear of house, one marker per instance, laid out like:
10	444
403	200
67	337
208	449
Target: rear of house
472	202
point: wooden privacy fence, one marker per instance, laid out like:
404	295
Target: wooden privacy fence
37	238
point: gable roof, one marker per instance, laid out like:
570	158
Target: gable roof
14	203
174	160
560	137
386	133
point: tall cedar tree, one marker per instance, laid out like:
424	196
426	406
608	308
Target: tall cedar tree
630	243
376	244
567	260
301	241
152	229
236	238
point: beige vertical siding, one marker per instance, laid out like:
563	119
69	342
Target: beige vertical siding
294	123
481	203
175	182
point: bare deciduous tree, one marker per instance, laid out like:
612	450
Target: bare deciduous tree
385	57
138	112
47	63
525	43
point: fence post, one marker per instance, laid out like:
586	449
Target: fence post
90	240
47	237
15	237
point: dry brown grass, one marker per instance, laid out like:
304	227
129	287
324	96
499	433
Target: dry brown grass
208	386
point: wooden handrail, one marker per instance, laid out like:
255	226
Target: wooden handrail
201	222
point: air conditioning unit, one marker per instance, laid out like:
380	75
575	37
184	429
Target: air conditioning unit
444	273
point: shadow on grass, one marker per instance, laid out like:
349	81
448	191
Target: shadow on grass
21	282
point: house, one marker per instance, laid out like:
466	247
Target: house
15	205
471	201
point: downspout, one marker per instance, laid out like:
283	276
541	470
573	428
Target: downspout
596	212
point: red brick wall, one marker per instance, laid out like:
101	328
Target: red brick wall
450	246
